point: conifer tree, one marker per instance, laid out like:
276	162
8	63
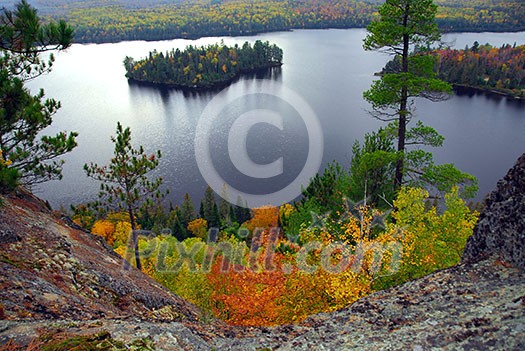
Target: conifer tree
30	158
403	25
125	182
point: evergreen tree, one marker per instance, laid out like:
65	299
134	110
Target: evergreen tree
372	169
187	210
225	207
215	219
401	25
209	206
125	182
201	210
404	24
30	158
242	212
328	190
175	224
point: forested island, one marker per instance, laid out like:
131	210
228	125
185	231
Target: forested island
498	70
203	67
117	20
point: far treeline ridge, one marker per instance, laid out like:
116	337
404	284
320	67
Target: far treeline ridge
113	21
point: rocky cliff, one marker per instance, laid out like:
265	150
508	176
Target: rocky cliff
501	227
60	281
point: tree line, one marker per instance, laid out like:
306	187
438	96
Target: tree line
482	67
112	21
205	66
485	67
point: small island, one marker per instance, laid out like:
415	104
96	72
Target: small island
203	67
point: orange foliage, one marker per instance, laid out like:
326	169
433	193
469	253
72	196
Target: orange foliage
263	217
270	290
105	229
247	297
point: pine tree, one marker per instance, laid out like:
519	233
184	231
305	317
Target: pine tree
225	207
242	212
402	25
178	229
30	158
125	182
209	207
187	210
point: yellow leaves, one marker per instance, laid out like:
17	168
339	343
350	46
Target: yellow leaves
138	65
286	210
115	229
3	161
244	288
122	233
432	241
104	229
346	287
224	68
121	250
199	228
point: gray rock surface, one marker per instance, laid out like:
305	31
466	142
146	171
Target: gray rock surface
479	306
49	270
501	227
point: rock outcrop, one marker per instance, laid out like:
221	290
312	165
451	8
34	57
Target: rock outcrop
49	270
479	306
501	227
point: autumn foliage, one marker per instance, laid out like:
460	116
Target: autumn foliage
485	66
115	228
271	280
199	228
110	21
263	217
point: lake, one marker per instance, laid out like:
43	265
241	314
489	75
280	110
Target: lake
262	135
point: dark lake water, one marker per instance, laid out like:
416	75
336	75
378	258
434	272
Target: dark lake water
262	136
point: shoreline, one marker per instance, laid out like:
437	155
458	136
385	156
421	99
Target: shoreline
256	33
209	87
464	88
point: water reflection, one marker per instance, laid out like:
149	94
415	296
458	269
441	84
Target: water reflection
139	89
489	95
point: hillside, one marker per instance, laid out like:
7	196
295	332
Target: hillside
51	270
60	281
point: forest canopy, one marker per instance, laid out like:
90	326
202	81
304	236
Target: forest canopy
486	67
204	66
112	20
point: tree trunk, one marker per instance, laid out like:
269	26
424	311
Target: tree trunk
403	110
135	238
